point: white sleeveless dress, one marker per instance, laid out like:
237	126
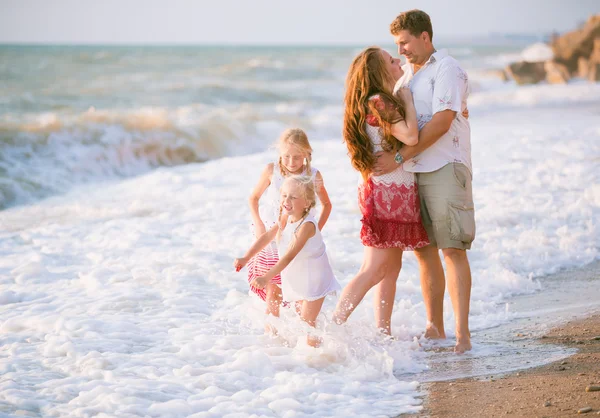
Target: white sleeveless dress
269	213
309	275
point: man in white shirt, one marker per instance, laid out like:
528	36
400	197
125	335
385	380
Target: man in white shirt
442	164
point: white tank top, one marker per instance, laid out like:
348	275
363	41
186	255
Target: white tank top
309	275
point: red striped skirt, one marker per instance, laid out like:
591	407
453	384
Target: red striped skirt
259	265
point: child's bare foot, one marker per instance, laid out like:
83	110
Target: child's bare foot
432	333
313	341
462	346
271	331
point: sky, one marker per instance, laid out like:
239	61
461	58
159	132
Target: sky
272	21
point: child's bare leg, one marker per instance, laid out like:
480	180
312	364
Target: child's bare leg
310	311
273	301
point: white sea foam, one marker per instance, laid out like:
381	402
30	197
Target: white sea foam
120	299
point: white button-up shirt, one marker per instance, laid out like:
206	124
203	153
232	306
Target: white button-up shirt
440	85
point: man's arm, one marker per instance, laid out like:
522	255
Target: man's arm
432	131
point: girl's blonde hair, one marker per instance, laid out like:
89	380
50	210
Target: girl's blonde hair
296	137
307	185
367	77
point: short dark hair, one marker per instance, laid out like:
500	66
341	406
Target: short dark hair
415	21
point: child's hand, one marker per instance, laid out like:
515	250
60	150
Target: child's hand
260	282
239	263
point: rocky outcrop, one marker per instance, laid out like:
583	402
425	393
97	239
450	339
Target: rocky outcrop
569	47
556	73
526	72
594	71
594	62
583	67
576	54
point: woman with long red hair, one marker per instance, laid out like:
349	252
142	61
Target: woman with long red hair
375	120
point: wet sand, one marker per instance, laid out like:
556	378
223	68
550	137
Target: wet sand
557	389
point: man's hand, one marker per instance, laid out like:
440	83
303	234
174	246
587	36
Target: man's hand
385	163
465	113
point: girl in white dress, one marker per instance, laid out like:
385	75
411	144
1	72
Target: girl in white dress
306	275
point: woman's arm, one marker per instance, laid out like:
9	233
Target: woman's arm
324	198
259	189
407	130
258	245
305	231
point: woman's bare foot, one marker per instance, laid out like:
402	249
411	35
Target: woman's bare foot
387	331
462	346
432	333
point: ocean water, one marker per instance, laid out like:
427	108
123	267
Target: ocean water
124	175
79	115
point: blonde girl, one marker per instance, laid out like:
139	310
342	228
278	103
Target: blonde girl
295	156
307	276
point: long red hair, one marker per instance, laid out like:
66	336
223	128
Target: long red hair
367	77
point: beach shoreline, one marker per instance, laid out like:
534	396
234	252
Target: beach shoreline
555	389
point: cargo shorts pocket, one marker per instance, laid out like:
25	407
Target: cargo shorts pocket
461	222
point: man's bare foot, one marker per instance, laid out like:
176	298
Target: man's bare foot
462	346
432	333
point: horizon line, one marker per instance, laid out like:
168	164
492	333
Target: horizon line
490	37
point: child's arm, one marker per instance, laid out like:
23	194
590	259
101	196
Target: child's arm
407	130
324	198
305	231
258	245
259	189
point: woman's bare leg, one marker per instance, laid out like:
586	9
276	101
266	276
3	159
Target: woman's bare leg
376	263
385	294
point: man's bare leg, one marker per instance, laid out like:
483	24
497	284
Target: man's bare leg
433	286
459	287
385	294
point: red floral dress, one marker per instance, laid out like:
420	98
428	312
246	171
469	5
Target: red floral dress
390	204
